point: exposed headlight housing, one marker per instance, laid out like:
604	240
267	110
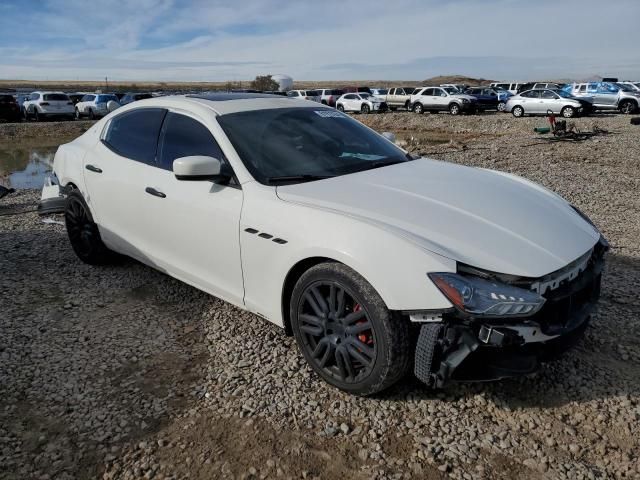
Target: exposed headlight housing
480	297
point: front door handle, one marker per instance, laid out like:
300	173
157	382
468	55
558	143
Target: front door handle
154	192
93	168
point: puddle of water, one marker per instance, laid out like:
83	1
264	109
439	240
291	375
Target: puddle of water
25	166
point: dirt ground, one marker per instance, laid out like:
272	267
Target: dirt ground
122	372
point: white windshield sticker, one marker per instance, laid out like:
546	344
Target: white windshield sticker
328	113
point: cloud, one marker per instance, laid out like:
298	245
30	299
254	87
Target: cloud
346	39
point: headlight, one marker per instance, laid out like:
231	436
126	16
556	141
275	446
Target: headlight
484	298
464	100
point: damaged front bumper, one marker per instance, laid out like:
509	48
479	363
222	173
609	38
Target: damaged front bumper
479	349
53	198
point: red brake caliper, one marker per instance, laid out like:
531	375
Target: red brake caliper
364	337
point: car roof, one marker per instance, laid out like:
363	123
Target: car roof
224	103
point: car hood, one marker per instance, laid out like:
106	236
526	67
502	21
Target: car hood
486	219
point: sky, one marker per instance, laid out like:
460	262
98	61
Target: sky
214	40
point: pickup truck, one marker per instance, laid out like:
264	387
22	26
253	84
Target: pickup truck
399	97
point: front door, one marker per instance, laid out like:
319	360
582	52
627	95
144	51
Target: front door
193	226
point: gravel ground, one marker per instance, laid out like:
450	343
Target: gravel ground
123	372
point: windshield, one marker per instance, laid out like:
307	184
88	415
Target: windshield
382	92
312	142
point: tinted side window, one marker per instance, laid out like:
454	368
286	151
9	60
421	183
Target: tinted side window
135	134
183	136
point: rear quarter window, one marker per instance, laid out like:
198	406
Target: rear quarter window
134	134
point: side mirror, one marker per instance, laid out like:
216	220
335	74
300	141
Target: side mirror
389	136
199	167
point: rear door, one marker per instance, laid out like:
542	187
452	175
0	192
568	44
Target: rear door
115	171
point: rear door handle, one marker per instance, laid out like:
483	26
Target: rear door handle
93	168
154	192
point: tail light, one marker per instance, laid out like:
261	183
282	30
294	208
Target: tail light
44	104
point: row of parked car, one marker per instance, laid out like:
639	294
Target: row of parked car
43	104
519	99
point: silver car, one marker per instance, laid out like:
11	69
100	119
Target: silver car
541	102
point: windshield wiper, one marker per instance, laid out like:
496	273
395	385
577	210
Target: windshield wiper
297	178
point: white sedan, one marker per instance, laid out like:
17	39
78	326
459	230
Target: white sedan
379	263
361	102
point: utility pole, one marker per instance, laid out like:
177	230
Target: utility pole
106	84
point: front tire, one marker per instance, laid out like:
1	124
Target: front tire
628	107
36	115
77	114
345	331
518	111
454	109
568	112
83	233
92	116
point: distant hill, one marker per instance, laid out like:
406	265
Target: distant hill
439	80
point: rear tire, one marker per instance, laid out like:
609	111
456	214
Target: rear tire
365	109
345	331
340	108
417	108
77	114
36	115
83	232
92	116
517	111
501	106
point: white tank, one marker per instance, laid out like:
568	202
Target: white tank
285	82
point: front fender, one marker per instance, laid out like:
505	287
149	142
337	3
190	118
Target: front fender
396	267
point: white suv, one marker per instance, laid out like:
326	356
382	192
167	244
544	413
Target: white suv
435	99
361	102
96	105
40	105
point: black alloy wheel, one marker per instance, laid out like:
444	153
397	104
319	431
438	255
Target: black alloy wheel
337	331
345	331
83	233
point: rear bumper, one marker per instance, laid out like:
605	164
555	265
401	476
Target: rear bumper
53	198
